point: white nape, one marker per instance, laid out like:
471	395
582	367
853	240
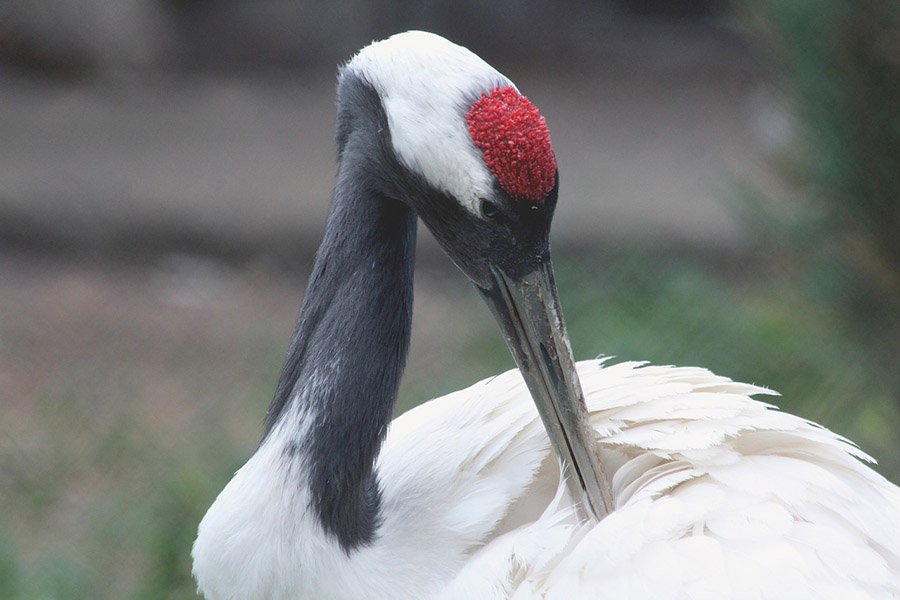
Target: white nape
427	84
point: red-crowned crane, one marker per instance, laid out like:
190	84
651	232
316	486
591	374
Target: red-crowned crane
680	485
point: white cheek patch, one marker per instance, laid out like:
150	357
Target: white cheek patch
425	83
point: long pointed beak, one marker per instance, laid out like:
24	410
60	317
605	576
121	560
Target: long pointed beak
528	311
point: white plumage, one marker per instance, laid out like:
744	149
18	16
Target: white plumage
718	495
404	69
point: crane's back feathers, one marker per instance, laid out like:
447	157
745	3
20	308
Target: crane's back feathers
718	495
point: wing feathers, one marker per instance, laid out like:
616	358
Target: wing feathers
718	495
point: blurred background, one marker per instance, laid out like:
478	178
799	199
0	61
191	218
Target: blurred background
730	198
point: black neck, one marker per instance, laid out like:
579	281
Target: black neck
343	368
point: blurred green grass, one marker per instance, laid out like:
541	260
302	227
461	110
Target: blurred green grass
100	502
109	462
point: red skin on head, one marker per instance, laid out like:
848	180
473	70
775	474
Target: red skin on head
515	142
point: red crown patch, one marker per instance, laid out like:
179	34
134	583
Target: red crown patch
515	142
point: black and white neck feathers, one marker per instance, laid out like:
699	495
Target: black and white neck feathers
335	396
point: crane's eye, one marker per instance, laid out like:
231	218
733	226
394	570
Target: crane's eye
489	209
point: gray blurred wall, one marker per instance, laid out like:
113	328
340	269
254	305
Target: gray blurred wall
202	125
107	36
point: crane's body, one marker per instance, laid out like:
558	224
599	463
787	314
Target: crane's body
702	491
717	495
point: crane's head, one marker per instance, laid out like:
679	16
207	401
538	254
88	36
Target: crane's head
459	144
429	123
